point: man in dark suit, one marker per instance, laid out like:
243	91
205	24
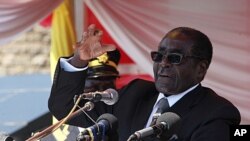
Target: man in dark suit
101	75
180	64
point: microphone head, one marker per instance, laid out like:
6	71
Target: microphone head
5	137
114	96
112	121
89	106
169	118
172	121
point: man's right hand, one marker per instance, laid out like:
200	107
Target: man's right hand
89	47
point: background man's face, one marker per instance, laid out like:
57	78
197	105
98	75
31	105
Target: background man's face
92	85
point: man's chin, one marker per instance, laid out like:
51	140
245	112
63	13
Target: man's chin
163	90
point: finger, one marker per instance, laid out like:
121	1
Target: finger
74	47
91	30
99	52
96	38
95	50
99	35
96	31
84	37
108	47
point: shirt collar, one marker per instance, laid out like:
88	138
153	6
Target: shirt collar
172	99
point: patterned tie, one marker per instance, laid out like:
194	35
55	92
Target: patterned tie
162	106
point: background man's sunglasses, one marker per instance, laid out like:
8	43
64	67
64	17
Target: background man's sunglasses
173	58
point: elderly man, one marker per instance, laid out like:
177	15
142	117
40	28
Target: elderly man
180	64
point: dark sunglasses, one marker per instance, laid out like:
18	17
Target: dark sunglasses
173	58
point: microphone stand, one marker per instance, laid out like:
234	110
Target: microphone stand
87	107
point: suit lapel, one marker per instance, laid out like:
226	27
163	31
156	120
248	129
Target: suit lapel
183	106
145	106
142	112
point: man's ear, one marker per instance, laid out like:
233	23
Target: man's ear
202	69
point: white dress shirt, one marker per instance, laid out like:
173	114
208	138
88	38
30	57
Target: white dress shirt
68	67
172	99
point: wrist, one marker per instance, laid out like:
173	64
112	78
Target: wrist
78	63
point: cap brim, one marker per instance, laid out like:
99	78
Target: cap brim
102	71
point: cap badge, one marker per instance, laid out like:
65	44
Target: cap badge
103	58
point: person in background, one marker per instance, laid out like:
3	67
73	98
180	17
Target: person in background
102	74
180	64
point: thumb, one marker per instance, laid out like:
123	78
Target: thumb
77	45
108	47
103	49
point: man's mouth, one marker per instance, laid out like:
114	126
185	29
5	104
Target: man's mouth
164	75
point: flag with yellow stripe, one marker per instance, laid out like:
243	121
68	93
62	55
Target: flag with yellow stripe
62	38
62	33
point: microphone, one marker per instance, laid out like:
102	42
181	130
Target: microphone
4	137
164	124
106	124
109	96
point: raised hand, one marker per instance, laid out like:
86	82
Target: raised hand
89	47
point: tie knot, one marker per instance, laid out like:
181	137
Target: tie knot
162	105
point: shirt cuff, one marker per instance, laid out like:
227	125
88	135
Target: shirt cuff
68	67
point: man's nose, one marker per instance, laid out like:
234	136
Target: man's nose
165	62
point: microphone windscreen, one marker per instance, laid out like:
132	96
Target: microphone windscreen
169	118
5	137
112	121
114	94
172	121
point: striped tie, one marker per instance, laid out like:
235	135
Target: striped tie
162	106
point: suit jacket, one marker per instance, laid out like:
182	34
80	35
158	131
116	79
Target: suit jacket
205	116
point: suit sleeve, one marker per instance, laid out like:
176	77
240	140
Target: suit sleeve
217	130
218	127
65	86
